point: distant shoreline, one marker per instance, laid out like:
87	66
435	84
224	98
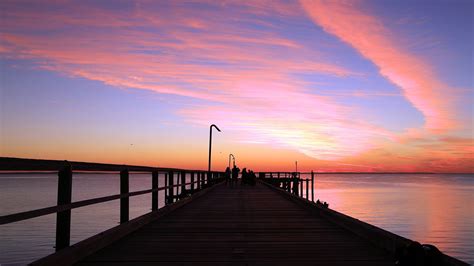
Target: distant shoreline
18	165
324	173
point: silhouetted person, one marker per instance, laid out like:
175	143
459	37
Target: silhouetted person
244	176
235	174
227	175
252	179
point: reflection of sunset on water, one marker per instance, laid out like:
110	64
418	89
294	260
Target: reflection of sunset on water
434	209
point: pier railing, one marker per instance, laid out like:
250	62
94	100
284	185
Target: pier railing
291	182
176	187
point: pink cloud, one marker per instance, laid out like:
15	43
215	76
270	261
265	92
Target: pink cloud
245	75
373	40
280	114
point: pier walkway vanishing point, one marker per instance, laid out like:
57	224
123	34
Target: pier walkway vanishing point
207	221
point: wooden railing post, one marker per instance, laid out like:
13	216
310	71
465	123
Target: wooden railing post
312	186
198	181
192	182
301	188
183	183
296	186
307	189
63	219
176	193
124	202
166	190
176	189
154	194
170	187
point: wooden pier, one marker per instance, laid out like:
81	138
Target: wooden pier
208	221
240	225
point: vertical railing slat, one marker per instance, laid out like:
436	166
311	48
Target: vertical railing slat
199	180
154	194
170	187
124	202
176	193
166	189
63	219
312	186
183	183
307	189
301	188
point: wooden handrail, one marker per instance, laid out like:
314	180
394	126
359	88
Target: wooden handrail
20	164
291	182
65	170
21	216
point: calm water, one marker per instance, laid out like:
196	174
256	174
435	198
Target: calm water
436	209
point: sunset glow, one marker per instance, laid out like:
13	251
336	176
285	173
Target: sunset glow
337	86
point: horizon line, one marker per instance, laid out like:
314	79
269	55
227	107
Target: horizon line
172	168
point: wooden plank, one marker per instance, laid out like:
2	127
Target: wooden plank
233	225
241	225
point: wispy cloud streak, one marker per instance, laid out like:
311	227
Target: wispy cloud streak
420	85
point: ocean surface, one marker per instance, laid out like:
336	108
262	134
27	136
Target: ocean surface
429	208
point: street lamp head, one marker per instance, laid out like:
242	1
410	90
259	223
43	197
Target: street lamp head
210	146
215	127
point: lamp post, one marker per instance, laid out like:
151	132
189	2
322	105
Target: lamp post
296	163
210	147
233	157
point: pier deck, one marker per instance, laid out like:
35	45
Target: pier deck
240	225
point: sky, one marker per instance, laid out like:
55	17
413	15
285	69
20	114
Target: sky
359	86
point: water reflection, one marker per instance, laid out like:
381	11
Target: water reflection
436	209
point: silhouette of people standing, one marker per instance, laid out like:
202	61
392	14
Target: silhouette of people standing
248	177
252	178
244	176
235	174
227	175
